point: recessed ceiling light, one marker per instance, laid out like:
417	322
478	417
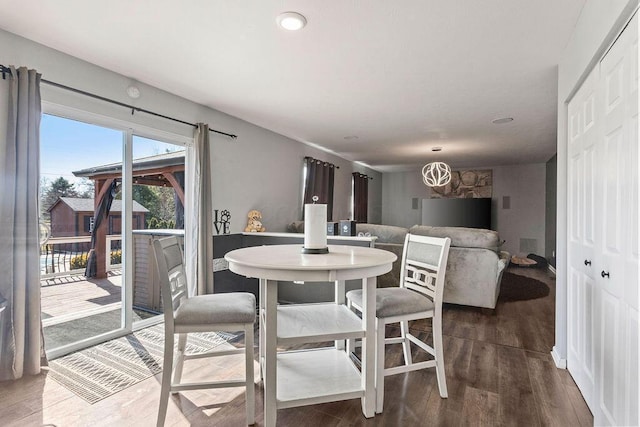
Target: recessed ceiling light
502	120
133	92
351	137
436	149
291	21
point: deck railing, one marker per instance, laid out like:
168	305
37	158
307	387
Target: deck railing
66	256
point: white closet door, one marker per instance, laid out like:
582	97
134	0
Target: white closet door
582	238
617	264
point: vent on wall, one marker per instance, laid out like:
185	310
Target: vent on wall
414	203
506	202
528	246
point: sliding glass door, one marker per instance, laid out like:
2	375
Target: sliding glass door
81	262
102	189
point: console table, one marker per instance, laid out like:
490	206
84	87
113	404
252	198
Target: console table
306	377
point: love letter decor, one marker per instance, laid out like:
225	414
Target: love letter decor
222	221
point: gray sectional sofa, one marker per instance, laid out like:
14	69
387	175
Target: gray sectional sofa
474	268
475	265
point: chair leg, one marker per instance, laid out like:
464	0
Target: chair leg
166	379
350	342
250	387
437	344
182	345
262	343
406	346
380	349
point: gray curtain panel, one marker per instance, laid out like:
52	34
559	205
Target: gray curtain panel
205	210
360	197
318	181
20	337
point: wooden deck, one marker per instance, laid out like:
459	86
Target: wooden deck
75	308
73	296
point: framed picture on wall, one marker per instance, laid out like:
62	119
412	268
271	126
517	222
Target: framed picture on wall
466	184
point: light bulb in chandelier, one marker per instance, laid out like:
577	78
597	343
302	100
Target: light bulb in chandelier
436	174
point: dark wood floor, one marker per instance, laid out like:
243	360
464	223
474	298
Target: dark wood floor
498	367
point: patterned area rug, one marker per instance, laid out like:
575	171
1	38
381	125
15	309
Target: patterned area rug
105	369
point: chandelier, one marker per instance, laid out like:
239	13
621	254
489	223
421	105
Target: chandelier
436	174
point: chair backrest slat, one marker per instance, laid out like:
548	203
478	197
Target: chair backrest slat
420	280
171	272
424	263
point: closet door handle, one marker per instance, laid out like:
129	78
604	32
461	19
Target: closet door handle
604	274
587	262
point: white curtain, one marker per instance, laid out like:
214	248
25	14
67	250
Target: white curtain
20	334
199	214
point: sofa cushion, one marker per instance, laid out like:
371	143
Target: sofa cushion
385	233
296	227
462	237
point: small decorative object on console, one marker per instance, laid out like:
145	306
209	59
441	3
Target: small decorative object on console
347	228
333	229
254	224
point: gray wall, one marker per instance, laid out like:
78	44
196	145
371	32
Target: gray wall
525	219
398	190
260	170
597	27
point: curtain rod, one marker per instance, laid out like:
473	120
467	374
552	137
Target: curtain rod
5	70
362	175
321	161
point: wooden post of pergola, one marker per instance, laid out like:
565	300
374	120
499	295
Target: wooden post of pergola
100	250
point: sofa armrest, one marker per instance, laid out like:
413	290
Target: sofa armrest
503	262
504	258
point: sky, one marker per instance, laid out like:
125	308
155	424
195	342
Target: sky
68	145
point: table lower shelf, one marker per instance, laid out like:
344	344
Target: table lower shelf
308	323
309	377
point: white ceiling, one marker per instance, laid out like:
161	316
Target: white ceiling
402	76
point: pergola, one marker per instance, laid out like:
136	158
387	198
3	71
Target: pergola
164	170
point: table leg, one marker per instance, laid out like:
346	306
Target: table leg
270	353
368	346
339	298
261	343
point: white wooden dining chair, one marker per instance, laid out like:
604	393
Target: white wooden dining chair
419	296
230	312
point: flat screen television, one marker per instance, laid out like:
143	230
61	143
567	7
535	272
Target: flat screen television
472	213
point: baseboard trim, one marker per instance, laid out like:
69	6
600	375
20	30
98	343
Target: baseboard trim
559	361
